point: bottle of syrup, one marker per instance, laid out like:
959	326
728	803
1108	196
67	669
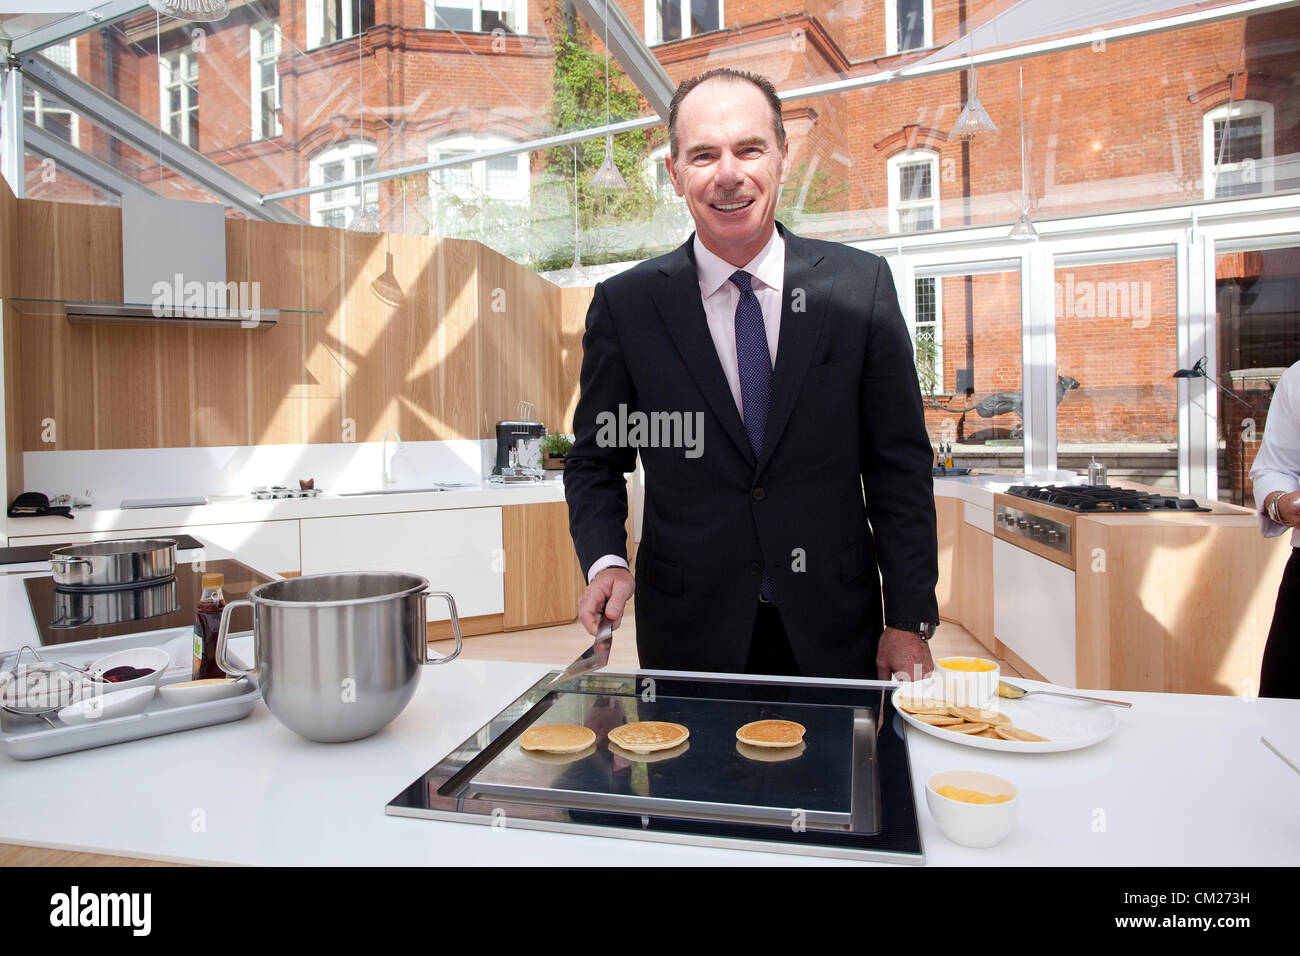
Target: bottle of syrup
207	622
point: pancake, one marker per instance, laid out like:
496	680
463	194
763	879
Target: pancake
970	727
647	736
557	738
1008	732
772	733
936	721
633	757
559	760
770	754
977	715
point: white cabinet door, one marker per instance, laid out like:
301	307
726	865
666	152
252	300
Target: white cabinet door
1033	611
266	545
458	551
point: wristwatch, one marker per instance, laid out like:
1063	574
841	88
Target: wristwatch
925	628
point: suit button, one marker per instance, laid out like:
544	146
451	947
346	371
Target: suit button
758	494
755	568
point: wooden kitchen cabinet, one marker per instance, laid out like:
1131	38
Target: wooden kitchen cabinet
542	578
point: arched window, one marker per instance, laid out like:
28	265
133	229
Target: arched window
339	207
499	178
1238	149
913	190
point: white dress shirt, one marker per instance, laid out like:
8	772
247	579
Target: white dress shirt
720	297
1277	466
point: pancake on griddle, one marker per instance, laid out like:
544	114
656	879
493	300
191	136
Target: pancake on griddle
770	754
772	733
557	738
633	757
647	736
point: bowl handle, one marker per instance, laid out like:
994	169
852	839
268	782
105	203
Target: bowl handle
455	626
222	633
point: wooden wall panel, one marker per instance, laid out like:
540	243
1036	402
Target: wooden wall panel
542	579
473	334
573	322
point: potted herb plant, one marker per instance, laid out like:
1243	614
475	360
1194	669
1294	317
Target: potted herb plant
556	447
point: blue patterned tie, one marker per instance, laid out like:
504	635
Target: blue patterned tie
755	364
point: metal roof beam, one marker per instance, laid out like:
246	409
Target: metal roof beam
626	46
106	112
83	166
75	24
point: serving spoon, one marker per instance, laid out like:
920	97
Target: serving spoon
1012	692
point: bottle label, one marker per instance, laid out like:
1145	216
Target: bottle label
198	652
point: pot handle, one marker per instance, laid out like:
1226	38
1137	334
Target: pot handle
455	626
222	633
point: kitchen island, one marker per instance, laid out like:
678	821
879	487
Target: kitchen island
1184	781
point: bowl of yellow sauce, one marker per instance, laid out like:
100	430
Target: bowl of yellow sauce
968	681
972	808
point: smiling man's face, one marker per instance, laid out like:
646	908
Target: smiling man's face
729	167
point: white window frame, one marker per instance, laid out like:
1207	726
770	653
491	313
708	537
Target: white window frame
891	27
936	323
351	154
255	36
321	30
894	178
40	101
177	62
518	15
1263	166
654	34
654	168
478	169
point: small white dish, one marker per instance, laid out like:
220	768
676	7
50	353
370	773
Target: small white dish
200	692
103	706
151	657
972	824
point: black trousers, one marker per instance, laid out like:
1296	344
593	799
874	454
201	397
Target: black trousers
1279	675
769	648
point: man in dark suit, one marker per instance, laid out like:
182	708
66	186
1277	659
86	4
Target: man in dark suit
768	383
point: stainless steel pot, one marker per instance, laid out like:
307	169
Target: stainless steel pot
113	564
338	656
80	606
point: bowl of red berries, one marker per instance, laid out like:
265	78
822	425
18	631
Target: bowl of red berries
133	667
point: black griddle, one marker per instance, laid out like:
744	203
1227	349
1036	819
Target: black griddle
846	793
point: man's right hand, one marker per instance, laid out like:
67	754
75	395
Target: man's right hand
605	598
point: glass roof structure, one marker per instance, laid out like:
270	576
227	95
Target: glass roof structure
486	119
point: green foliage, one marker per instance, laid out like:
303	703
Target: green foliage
821	195
927	373
557	444
578	102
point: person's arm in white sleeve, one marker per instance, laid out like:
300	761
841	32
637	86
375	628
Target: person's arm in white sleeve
1277	466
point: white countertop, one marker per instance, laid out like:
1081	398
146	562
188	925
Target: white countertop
231	510
1184	781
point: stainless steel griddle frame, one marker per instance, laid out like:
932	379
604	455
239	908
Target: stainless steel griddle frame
729	826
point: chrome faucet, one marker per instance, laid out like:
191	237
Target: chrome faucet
388	478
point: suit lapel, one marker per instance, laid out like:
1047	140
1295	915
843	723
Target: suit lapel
804	296
679	304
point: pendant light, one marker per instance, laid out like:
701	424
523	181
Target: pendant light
974	118
365	222
193	11
607	176
1023	230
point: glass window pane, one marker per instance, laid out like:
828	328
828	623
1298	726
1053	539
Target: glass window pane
704	16
453	18
1116	353
670	19
501	177
911	24
973	344
914	181
1258	321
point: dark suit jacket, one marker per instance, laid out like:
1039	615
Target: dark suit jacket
845	415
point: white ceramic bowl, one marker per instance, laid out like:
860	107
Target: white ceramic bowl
154	657
972	824
201	692
968	688
102	706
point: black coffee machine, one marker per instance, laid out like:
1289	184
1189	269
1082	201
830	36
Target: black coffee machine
510	433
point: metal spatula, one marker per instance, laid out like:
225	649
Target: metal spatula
593	658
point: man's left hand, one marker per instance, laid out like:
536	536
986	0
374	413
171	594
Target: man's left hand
902	652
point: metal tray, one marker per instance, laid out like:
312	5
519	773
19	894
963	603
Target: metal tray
848	793
30	738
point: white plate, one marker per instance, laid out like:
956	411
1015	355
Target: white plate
175	694
1068	724
105	706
